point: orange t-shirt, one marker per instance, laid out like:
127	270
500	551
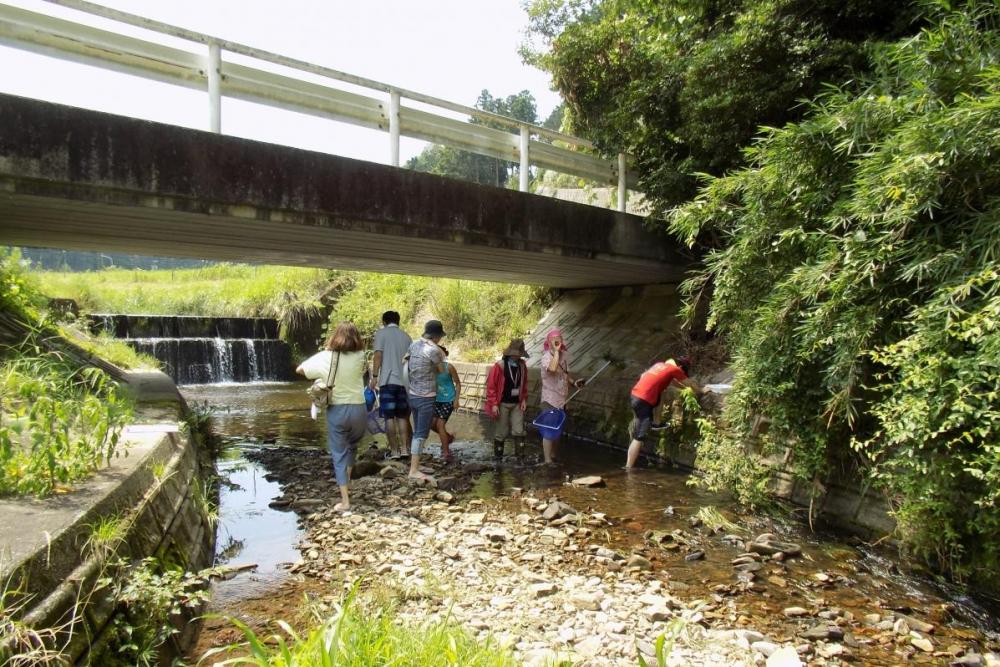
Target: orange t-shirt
657	378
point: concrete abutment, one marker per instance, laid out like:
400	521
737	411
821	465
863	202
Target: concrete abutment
154	496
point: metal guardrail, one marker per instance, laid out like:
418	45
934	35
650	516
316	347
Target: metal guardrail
209	71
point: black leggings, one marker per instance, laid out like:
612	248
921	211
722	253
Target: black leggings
643	419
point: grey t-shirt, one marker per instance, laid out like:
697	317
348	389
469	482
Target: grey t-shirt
393	343
424	359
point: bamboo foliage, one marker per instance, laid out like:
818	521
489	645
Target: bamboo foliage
857	288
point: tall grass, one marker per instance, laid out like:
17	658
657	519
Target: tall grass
59	421
371	635
223	290
480	317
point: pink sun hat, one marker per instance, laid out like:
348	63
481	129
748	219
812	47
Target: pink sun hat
554	333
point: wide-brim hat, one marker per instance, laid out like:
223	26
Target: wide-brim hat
434	329
516	347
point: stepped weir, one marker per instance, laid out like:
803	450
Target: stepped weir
204	350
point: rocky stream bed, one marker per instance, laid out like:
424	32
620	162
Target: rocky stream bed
558	582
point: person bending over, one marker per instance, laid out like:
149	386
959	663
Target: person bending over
645	396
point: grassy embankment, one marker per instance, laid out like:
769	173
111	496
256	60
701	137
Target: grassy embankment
480	317
60	418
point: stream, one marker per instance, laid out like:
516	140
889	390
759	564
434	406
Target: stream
834	572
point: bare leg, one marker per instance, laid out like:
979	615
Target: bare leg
416	445
634	449
548	449
400	429
345	499
440	427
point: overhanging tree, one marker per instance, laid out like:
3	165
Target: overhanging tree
858	287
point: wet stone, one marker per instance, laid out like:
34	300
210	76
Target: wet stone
825	632
796	612
591	481
557	510
694	555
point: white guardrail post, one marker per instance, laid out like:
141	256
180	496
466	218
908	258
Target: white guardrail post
214	72
622	183
394	128
525	169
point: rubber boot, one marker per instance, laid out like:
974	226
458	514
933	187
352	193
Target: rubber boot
498	449
519	449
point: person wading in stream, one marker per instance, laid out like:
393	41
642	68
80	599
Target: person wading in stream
391	345
556	382
343	360
424	362
645	397
507	398
449	388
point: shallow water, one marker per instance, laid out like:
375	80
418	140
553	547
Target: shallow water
863	579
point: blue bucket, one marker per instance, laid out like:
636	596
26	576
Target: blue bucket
550	423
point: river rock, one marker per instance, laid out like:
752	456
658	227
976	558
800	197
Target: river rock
586	601
543	590
635	560
475	518
916	624
796	612
923	644
495	534
752	566
772	547
968	660
390	472
654	614
825	632
784	657
589	481
589	647
556	510
364	468
765	648
694	555
831	650
444	497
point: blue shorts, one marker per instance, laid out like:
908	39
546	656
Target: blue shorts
392	402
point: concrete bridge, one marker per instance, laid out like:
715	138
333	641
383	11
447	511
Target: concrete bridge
78	179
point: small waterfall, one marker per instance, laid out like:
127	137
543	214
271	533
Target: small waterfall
223	355
201	350
252	359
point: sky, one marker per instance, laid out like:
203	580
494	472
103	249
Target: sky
451	49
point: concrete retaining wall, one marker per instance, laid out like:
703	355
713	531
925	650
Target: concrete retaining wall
635	326
47	546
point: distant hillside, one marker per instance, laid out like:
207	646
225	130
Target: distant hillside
73	260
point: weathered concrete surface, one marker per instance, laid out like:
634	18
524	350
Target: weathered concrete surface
46	550
73	178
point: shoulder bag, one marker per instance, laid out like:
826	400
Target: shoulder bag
319	391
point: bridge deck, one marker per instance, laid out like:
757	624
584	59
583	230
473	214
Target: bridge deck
78	179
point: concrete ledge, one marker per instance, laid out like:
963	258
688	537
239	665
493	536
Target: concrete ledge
151	488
